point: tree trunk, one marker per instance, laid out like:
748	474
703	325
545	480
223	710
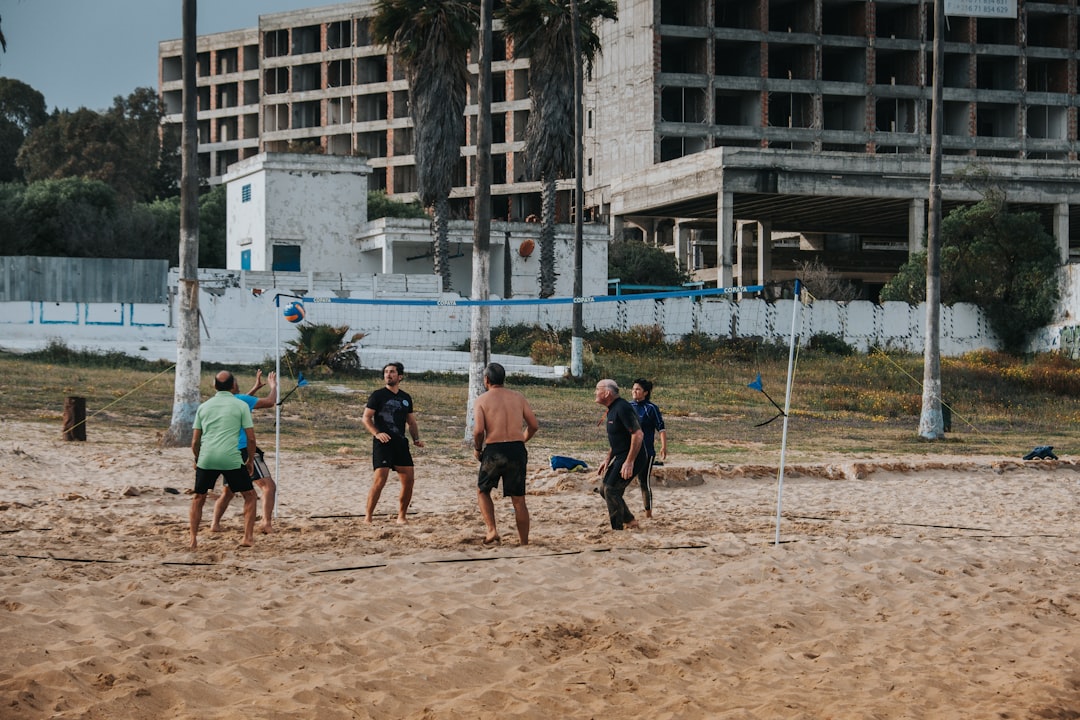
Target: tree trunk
931	424
480	331
547	236
577	339
188	352
442	242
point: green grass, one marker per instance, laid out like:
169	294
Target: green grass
861	406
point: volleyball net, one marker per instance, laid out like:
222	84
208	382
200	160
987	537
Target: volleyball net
430	334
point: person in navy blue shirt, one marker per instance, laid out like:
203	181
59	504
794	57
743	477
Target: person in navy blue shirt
652	423
625	459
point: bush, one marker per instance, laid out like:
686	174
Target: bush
635	263
380	205
324	346
1005	263
830	344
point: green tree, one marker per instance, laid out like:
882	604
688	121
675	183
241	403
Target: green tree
212	220
121	147
22	109
1004	262
63	217
635	263
432	39
544	30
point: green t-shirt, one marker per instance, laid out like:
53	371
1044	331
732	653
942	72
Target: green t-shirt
221	418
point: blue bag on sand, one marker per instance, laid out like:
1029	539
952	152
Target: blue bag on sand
558	462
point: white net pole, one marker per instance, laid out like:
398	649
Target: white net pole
796	304
277	402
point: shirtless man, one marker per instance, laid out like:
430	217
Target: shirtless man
503	423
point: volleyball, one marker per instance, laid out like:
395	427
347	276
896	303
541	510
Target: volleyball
294	312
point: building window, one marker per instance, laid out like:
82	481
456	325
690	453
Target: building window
245	193
286	258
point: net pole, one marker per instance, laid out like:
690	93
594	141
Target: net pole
277	402
787	407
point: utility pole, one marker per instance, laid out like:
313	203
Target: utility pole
931	423
577	342
480	330
188	350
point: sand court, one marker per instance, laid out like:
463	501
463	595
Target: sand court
902	588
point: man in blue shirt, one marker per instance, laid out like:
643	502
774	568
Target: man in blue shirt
652	422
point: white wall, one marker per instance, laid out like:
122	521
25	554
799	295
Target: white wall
242	324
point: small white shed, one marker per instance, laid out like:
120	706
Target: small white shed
289	212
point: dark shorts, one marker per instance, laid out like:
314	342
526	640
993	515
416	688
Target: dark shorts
259	469
237	479
505	460
393	454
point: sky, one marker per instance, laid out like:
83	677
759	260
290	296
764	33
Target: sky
83	53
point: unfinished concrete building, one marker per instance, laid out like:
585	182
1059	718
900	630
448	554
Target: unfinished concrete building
751	134
312	80
744	135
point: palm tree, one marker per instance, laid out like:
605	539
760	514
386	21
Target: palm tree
432	39
544	30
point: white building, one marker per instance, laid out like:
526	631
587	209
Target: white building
293	213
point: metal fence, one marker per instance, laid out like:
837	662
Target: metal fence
86	280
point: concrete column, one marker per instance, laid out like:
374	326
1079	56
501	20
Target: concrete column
764	253
388	255
1061	230
725	238
654	234
744	234
916	226
615	227
682	247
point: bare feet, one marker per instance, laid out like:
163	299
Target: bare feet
492	539
247	542
632	525
266	529
402	521
367	519
194	544
215	528
648	513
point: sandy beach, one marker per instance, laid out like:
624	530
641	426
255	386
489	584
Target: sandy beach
901	588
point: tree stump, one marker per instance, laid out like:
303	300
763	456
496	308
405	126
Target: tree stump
75	418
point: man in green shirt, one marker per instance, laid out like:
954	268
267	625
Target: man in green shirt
218	422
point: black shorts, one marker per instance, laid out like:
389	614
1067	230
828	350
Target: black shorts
237	479
259	470
394	454
505	460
